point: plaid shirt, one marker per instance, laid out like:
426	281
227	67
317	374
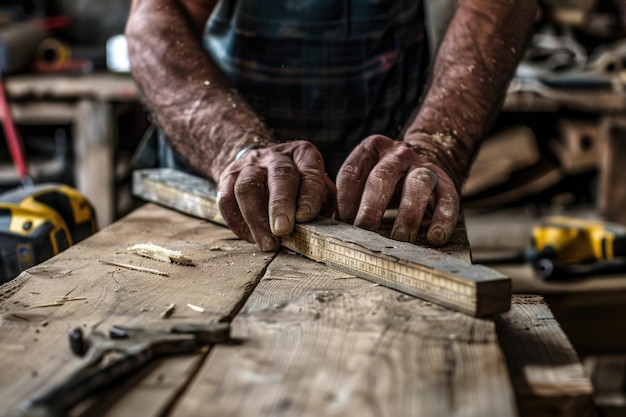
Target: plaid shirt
329	71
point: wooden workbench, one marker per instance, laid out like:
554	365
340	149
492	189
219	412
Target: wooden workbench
315	342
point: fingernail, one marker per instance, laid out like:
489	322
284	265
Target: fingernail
304	210
437	235
400	233
282	225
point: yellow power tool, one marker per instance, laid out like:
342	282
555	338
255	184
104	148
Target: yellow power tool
38	222
564	246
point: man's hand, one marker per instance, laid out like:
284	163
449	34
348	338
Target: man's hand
263	194
475	61
381	167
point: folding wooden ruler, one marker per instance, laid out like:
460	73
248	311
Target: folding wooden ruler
426	273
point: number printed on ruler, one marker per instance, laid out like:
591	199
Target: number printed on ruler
377	268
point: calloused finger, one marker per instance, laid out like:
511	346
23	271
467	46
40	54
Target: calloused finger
418	188
351	180
445	216
311	195
230	209
283	182
252	197
379	189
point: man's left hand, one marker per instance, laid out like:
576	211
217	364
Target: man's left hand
419	171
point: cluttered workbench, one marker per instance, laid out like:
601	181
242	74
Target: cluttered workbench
305	339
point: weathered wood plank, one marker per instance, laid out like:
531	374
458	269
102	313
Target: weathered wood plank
416	270
34	352
175	189
321	342
303	322
549	378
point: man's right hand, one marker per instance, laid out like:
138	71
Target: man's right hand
263	194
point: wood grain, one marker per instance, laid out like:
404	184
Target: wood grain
178	190
550	379
321	342
34	351
316	341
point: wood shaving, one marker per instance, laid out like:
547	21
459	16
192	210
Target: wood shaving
19	317
136	268
47	305
66	298
168	312
159	253
195	308
60	300
223	247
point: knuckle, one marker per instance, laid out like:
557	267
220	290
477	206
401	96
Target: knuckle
384	172
376	139
312	184
448	207
406	152
420	181
306	145
312	171
376	144
349	172
247	185
283	170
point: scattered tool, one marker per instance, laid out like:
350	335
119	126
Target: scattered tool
564	247
422	272
130	349
38	222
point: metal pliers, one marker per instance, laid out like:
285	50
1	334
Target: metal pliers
133	348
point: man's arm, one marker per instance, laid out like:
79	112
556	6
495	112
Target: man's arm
476	60
206	122
265	192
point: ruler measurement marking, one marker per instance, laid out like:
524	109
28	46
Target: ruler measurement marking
380	269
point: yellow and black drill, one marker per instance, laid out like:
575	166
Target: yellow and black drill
38	222
563	247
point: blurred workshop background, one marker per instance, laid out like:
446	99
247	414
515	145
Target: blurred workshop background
558	148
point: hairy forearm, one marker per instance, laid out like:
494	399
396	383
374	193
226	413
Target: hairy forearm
189	98
475	62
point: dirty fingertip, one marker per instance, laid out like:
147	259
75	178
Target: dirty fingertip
304	212
437	236
269	244
400	233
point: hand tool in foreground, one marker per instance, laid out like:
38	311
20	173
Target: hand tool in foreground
130	349
565	247
419	271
